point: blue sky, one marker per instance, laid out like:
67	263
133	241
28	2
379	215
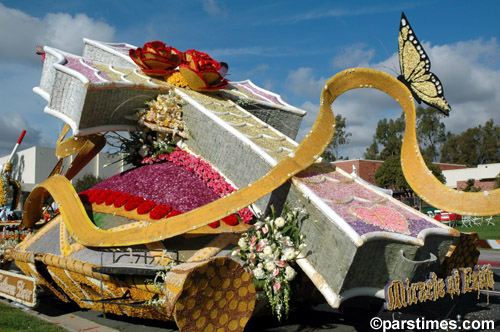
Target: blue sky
289	47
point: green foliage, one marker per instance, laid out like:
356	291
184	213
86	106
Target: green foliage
474	146
470	186
497	181
86	182
340	138
390	174
431	132
389	134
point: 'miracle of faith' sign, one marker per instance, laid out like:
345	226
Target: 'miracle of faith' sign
18	287
399	294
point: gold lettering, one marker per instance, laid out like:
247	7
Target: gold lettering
435	290
428	289
441	288
414	299
456	276
466	279
450	286
421	291
490	277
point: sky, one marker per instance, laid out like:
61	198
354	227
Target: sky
289	47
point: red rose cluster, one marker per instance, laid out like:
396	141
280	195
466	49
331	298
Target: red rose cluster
201	72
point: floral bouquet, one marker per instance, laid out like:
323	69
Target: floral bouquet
268	251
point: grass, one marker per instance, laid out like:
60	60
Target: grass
13	319
485	232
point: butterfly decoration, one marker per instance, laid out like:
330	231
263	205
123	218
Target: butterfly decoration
415	70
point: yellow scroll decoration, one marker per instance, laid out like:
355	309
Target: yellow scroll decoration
418	176
86	147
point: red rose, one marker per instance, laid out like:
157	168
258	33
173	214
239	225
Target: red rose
133	203
201	72
215	224
174	213
155	58
231	220
112	197
102	196
145	207
122	200
159	211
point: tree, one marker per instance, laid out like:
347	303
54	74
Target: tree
340	138
388	135
474	146
431	132
431	135
390	174
86	182
470	186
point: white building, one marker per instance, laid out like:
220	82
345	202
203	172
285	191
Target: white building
484	176
32	166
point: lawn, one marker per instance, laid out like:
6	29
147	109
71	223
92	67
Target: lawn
13	319
485	232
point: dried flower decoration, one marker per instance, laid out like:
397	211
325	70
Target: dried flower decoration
164	114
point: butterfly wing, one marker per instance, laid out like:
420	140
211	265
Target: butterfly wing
415	70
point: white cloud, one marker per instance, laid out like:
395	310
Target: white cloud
20	70
355	55
302	82
212	8
20	33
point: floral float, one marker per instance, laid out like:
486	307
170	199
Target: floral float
211	257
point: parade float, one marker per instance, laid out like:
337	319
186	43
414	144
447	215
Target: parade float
221	205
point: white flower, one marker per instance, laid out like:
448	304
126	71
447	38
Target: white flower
280	222
143	151
259	273
270	266
242	243
288	254
290	273
268	251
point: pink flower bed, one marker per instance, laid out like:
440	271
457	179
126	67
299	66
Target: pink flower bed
164	187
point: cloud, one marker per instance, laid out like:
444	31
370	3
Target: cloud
470	76
212	8
20	33
302	82
11	126
355	55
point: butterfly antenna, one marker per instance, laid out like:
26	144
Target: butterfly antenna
396	72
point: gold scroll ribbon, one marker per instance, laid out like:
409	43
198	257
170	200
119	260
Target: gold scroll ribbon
418	176
86	148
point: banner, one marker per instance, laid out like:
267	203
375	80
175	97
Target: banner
18	288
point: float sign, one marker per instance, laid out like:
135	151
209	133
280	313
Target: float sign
18	288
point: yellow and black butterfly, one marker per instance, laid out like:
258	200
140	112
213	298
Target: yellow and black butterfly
415	70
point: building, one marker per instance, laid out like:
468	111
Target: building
483	176
366	169
32	166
